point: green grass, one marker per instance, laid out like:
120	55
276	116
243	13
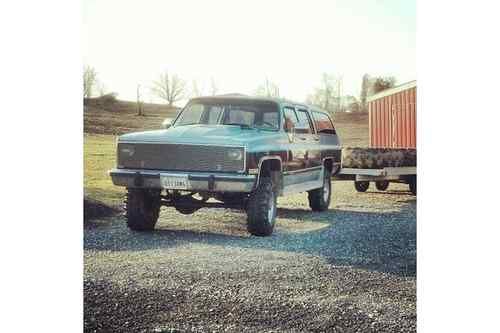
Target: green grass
100	156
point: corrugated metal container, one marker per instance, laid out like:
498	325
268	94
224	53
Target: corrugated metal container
393	117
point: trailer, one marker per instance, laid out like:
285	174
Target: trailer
391	156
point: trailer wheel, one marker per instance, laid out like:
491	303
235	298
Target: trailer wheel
413	185
382	185
361	186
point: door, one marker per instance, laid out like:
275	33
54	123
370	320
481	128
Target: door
309	139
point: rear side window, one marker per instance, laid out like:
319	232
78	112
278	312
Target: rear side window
323	123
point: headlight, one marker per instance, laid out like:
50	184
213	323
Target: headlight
127	150
234	154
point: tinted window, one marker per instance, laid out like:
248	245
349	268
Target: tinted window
304	119
323	123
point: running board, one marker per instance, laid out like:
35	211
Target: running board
303	187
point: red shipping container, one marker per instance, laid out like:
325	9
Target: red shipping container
393	117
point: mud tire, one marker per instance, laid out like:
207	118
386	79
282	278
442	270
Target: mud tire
142	209
261	209
319	200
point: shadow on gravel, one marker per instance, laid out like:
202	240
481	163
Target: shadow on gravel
383	241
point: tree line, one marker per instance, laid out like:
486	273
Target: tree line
328	94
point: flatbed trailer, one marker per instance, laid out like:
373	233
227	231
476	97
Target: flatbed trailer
382	177
392	127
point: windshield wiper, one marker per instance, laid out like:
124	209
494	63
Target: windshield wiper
242	126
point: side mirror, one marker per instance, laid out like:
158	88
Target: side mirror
166	123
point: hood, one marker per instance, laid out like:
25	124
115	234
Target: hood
206	134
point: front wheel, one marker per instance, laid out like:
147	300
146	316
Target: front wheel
261	209
142	209
361	186
319	199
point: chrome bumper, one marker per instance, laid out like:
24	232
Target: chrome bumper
197	181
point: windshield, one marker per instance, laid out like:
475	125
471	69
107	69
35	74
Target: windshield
262	115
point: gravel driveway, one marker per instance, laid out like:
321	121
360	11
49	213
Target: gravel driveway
346	270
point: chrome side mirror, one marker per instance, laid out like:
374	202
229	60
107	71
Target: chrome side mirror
166	123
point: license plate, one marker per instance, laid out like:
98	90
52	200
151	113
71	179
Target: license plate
174	182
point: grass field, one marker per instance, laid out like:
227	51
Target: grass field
102	125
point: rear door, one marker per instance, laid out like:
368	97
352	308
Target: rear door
308	137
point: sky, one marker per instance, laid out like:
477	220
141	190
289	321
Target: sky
241	43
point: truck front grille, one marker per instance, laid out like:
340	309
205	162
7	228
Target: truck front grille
179	157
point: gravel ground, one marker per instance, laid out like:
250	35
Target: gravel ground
350	269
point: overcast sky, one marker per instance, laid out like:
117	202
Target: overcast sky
239	43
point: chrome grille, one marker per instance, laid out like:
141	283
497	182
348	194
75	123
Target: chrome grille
179	157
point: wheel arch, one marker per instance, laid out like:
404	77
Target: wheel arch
268	165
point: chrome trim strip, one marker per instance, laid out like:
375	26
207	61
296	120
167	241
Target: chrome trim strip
303	170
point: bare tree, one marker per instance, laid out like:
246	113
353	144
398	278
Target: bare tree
195	90
268	89
89	81
213	87
365	87
140	111
327	93
171	88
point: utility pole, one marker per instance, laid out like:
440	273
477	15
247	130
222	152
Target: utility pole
139	103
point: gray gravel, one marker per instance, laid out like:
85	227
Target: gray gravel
346	270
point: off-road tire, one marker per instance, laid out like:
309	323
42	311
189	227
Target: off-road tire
361	186
382	185
413	185
142	209
319	199
261	209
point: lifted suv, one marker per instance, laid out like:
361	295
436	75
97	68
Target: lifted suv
229	152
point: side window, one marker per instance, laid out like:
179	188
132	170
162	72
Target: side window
323	123
290	113
290	116
304	119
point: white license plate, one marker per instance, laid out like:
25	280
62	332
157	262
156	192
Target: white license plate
174	182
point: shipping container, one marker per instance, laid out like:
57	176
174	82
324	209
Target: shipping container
393	117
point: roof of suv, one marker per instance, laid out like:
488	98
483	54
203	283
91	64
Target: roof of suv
257	99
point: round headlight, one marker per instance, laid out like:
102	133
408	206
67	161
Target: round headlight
235	154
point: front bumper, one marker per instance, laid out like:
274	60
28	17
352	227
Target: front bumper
197	181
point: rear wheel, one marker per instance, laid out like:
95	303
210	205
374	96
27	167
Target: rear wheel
361	186
142	209
382	185
261	209
319	199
